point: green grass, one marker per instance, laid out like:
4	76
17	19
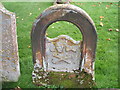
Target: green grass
106	64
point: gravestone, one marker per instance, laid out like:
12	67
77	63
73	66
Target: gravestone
9	61
61	2
62	54
63	61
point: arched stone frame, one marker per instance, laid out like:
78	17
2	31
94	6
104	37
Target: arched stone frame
75	15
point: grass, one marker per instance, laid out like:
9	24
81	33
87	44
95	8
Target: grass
106	64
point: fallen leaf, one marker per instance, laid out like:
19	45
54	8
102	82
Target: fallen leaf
29	46
17	88
116	4
110	29
99	2
117	30
94	5
101	17
38	8
46	34
72	76
110	3
101	24
17	17
108	39
107	6
52	26
30	14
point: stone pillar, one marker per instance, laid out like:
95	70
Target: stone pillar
9	60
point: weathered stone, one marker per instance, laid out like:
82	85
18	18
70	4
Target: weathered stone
61	2
9	52
63	55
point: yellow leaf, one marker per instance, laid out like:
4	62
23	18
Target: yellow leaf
101	24
30	14
117	30
29	46
38	8
46	34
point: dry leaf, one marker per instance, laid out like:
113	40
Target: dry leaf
108	39
94	5
17	88
30	14
52	26
101	24
17	17
101	17
110	29
29	46
46	34
117	30
107	6
99	2
38	8
116	4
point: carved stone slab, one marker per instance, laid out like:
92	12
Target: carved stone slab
9	58
62	54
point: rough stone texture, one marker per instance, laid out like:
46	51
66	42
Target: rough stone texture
57	55
61	65
10	60
0	49
62	54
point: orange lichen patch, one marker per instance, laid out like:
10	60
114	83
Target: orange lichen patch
39	57
88	64
14	69
14	61
88	61
8	58
13	53
54	42
70	43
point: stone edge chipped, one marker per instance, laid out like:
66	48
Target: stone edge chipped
65	37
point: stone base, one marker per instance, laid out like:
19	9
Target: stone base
66	79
